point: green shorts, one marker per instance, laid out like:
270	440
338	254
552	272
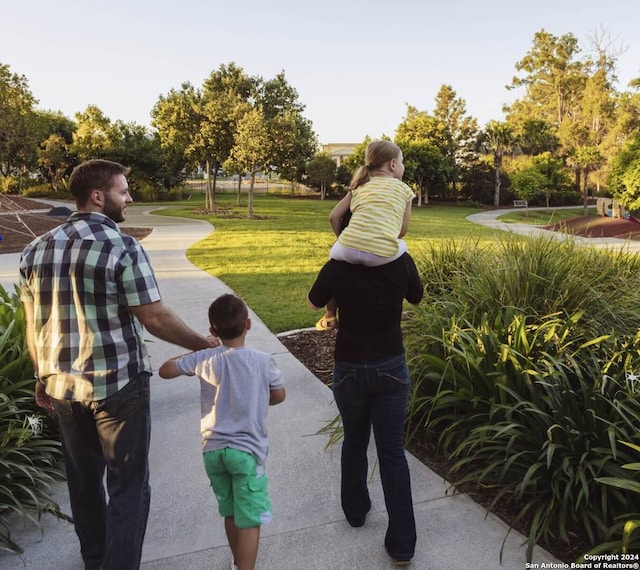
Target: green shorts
240	486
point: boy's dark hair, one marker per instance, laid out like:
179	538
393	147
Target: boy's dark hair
95	174
227	315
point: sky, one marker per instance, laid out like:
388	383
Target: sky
356	64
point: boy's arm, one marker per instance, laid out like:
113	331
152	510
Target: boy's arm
276	396
169	369
338	212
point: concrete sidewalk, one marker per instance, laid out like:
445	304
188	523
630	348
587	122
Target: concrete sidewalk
308	531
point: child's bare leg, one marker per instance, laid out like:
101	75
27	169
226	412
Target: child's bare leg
328	320
232	536
247	547
331	308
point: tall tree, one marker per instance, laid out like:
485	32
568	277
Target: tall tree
624	178
497	140
461	132
553	81
421	128
175	119
292	140
54	159
354	161
425	167
226	97
585	159
251	149
18	142
95	135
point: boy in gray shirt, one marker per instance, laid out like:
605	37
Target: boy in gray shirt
237	386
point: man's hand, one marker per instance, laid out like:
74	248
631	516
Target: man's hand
42	399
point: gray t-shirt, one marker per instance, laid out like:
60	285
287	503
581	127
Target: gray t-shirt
234	396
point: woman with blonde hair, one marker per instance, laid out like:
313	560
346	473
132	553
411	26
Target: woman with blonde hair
379	204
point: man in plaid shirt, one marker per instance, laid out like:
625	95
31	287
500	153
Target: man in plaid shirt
88	291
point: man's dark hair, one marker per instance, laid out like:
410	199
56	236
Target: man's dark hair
95	174
227	315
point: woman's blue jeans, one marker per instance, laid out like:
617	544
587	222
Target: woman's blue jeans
367	393
113	434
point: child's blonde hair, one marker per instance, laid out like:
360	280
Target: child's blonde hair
378	153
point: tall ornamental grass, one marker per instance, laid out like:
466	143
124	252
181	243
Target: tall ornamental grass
524	358
29	452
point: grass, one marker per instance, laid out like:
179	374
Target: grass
542	216
272	261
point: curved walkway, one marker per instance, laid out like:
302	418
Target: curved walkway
308	531
490	218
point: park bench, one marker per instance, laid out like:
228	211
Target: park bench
520	204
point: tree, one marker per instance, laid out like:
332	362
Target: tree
498	140
54	159
322	172
54	123
461	132
293	142
140	149
425	130
251	149
17	134
95	135
175	119
528	183
585	159
624	179
552	168
354	161
225	99
553	80
537	136
425	166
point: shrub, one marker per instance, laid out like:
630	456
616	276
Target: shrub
627	539
28	453
47	191
522	356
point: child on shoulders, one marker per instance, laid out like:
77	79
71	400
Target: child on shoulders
379	204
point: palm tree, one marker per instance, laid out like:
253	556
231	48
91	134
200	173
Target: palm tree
498	139
585	159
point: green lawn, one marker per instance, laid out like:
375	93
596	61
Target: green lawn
272	261
542	217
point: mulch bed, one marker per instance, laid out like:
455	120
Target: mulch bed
598	226
19	224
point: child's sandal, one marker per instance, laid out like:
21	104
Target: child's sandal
327	323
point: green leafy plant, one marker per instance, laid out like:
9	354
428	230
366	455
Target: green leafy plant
520	355
29	455
628	523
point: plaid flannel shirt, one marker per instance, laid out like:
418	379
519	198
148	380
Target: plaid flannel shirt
82	277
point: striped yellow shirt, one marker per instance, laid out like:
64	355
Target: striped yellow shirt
378	209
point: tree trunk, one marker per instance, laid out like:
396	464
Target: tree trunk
497	163
239	187
213	189
251	183
585	191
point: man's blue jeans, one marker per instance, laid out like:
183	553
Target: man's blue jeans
367	393
112	434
